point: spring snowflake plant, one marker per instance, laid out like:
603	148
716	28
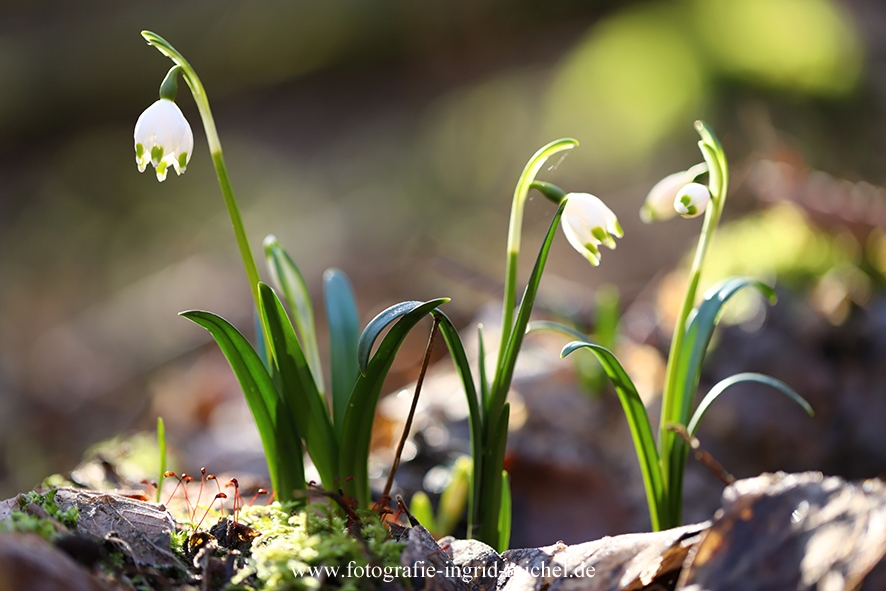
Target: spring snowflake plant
662	465
281	376
282	379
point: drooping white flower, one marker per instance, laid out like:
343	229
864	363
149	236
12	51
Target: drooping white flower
588	223
692	200
659	204
163	137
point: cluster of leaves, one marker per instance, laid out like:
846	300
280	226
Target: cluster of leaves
313	537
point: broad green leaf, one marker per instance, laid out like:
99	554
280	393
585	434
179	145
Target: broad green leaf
377	325
739	378
301	400
279	435
261	343
638	421
344	330
289	280
357	431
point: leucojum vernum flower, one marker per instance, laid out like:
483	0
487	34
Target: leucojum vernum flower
587	223
163	136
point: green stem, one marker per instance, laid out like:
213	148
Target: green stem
215	151
674	392
514	229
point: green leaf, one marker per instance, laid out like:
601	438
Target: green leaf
300	397
344	328
739	378
488	518
481	367
699	334
505	370
556	327
454	497
377	325
289	280
421	509
476	420
696	341
504	517
357	431
638	421
279	435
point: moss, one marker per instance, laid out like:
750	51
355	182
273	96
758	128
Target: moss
24	521
302	551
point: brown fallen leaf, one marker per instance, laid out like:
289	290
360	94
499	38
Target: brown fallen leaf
141	530
791	531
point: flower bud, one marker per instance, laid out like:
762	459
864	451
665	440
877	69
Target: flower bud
659	204
692	200
588	223
163	137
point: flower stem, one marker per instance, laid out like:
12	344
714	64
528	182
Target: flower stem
215	151
514	229
675	391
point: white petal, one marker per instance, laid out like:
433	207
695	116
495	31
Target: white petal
659	204
692	200
588	223
162	125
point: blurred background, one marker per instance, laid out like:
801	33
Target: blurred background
384	137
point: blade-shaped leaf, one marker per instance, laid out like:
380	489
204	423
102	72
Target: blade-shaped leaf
481	366
505	370
699	333
695	345
739	378
377	325
504	517
556	327
289	280
476	420
344	329
488	516
301	400
279	435
638	421
357	430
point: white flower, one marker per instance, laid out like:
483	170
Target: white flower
163	137
692	200
588	223
659	205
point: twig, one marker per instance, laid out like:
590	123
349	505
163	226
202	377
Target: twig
421	378
703	457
